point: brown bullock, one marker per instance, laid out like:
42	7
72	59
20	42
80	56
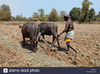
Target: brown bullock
30	30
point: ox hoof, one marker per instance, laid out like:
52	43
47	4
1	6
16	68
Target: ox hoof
34	51
23	45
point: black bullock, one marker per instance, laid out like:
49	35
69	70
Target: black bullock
49	29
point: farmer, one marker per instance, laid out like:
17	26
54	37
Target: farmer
69	29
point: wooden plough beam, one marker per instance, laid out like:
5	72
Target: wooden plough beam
50	46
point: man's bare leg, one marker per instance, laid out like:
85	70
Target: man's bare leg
68	45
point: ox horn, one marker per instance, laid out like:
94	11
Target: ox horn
20	25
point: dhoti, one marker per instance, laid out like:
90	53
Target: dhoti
69	36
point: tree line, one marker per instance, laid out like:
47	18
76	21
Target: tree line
81	15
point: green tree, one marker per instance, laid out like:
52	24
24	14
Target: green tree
35	15
98	14
95	17
85	10
75	13
90	3
5	14
45	18
62	13
98	17
84	16
18	18
41	12
53	15
12	18
23	19
30	19
91	14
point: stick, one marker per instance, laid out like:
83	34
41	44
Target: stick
53	43
45	42
63	37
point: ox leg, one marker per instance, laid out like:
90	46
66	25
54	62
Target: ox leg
31	42
35	46
56	39
43	36
23	41
53	39
39	39
58	42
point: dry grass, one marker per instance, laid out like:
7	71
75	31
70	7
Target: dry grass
10	58
86	41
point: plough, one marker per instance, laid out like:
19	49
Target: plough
50	46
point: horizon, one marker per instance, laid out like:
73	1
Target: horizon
27	7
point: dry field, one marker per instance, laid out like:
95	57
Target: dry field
86	41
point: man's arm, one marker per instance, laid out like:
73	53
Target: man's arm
66	27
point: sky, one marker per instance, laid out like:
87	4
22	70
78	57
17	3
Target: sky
27	7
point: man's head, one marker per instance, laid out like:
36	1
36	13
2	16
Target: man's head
66	17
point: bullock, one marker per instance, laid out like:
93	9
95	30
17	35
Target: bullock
30	30
49	29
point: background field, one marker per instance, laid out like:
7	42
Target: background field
86	41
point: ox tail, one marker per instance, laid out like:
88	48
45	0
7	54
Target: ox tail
57	38
57	31
36	36
20	26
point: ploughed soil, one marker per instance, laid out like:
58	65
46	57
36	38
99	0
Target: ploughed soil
86	41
